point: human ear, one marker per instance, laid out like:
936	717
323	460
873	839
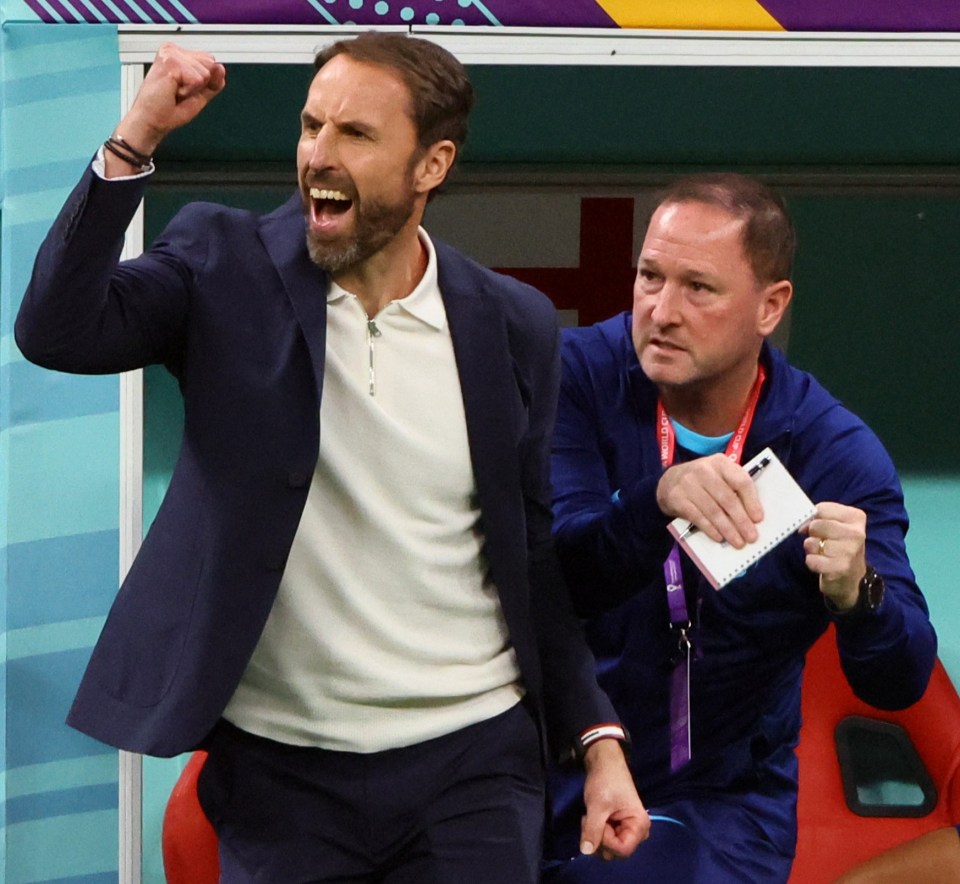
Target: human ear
434	165
773	304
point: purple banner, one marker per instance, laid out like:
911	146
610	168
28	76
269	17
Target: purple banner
539	13
791	15
865	15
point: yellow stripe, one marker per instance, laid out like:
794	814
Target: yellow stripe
730	15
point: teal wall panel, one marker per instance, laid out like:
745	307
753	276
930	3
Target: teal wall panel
933	502
58	477
16	10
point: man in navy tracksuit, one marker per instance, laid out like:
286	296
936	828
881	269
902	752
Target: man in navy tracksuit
658	409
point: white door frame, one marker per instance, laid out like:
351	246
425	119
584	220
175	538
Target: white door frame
280	44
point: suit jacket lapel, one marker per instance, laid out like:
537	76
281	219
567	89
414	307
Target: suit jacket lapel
477	329
283	234
479	334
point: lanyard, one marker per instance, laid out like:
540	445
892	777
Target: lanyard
734	448
680	744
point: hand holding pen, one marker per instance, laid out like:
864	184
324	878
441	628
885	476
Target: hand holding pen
716	495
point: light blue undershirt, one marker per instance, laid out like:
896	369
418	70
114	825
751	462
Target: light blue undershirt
701	445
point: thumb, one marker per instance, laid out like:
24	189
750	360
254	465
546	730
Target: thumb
591	832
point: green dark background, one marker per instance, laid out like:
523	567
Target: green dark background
867	158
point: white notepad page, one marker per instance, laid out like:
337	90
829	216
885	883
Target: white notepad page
785	509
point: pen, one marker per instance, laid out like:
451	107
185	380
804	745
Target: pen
752	472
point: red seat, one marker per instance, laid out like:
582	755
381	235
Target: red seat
832	839
189	841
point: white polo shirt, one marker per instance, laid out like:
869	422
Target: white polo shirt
387	629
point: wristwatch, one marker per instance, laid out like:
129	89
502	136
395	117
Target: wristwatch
870	594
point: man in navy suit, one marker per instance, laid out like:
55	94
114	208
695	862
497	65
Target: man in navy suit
350	599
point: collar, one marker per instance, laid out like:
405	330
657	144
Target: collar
776	414
424	302
698	443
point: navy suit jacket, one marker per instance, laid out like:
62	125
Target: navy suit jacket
230	302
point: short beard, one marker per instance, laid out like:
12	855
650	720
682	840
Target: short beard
376	225
326	256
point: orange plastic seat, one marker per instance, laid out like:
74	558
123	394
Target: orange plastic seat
189	842
832	839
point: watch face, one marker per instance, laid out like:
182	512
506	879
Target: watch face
871	589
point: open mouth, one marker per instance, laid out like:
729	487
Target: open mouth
327	206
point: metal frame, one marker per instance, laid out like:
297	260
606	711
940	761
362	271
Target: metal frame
288	44
131	530
279	44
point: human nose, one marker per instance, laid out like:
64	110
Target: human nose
322	151
665	305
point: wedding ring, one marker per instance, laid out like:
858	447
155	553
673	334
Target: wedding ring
823	543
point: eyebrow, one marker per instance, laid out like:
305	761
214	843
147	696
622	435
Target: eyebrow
688	274
345	125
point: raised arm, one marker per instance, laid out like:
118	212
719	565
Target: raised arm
178	86
887	654
83	312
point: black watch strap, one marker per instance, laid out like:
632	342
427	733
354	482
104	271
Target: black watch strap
870	595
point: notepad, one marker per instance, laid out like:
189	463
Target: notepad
785	509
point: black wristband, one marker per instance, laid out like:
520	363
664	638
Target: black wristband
120	149
119	140
608	731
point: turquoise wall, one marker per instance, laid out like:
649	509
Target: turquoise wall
58	478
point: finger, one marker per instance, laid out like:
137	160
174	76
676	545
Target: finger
725	518
600	832
815	545
201	75
739	504
218	79
716	495
622	838
838	514
591	834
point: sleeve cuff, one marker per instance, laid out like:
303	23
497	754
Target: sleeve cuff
98	169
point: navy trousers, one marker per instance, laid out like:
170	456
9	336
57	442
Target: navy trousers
466	808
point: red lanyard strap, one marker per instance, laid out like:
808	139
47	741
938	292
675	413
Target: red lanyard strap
680	740
734	450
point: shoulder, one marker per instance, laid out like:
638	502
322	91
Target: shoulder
601	351
519	301
217	218
815	410
833	442
210	218
213	234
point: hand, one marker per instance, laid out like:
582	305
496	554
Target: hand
835	549
616	820
178	86
715	494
